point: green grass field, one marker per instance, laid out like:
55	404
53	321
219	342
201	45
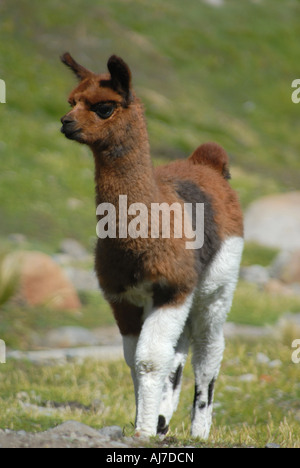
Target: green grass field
255	403
204	73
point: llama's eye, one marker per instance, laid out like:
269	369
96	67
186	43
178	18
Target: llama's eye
104	110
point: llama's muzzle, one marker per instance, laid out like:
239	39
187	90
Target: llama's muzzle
69	128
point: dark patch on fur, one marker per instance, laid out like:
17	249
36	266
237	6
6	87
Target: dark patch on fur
162	428
191	193
163	294
211	391
197	395
127	264
128	317
201	405
175	377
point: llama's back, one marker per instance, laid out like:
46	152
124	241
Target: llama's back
203	178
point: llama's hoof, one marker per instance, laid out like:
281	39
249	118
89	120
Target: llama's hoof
162	427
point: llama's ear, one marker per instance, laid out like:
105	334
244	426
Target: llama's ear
79	70
120	76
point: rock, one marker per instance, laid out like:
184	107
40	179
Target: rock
43	282
215	3
74	203
272	445
70	434
274	221
256	274
233	330
74	249
275	363
261	358
73	429
278	288
68	337
82	280
286	266
289	322
71	336
111	432
63	355
17	238
247	378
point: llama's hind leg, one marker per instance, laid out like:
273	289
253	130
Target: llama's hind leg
207	318
172	386
211	306
206	360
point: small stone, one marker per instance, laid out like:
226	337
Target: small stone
74	429
286	267
275	363
82	280
74	203
276	287
17	238
247	378
214	3
261	358
67	337
256	274
272	445
74	249
112	432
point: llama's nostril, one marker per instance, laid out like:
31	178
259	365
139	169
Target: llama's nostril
70	128
66	120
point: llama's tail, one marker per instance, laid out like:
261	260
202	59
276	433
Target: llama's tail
213	155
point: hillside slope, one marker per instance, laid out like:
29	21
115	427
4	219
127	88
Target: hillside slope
205	73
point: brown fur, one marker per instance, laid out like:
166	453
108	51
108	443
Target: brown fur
123	166
213	155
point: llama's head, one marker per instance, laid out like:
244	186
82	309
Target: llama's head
103	105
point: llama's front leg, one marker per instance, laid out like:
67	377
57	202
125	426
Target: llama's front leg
154	359
129	348
172	385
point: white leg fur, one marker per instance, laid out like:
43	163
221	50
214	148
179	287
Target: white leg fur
172	385
154	359
212	303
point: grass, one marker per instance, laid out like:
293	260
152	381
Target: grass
254	306
20	325
247	413
8	279
255	254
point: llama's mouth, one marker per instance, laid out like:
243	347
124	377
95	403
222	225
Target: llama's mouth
70	133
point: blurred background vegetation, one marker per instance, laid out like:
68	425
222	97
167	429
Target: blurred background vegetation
204	73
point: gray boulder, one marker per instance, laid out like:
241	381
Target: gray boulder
274	221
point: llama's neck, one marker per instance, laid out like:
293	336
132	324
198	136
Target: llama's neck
123	166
